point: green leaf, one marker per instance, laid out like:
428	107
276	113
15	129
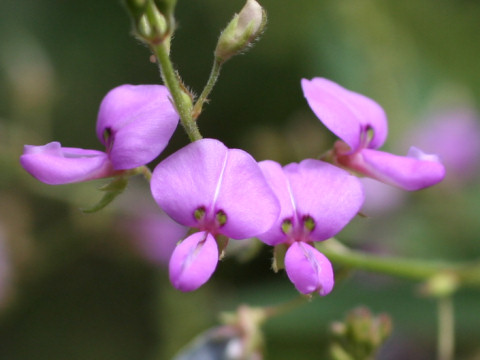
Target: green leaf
112	190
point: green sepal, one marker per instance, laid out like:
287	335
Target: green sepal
222	242
111	191
166	7
360	335
279	252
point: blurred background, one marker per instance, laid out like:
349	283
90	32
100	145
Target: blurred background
76	286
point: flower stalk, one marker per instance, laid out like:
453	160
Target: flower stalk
154	24
180	97
446	329
203	98
467	274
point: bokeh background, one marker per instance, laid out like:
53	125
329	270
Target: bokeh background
76	286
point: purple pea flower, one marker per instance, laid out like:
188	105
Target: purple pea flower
317	200
361	124
151	232
453	134
135	123
218	191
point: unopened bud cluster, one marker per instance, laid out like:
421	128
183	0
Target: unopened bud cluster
153	20
360	335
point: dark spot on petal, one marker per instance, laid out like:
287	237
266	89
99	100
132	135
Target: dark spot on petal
108	138
286	226
308	223
221	217
199	213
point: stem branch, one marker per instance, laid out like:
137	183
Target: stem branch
414	269
215	72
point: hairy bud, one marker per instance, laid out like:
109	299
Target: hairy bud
243	30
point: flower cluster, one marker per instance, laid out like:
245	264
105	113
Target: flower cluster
223	193
134	124
361	124
218	191
317	200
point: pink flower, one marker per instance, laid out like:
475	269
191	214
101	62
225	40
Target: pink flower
361	124
154	234
317	200
454	135
134	123
381	199
218	191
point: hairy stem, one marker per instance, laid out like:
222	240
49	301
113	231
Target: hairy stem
215	72
446	329
181	99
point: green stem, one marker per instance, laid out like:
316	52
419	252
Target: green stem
280	309
145	172
466	274
338	353
446	329
197	109
141	170
181	99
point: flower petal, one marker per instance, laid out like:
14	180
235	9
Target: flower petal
193	261
326	193
138	121
278	181
346	113
245	197
54	164
308	269
380	198
154	234
187	179
452	134
205	174
413	172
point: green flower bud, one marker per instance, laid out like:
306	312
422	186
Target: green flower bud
136	8
243	30
360	335
166	7
155	27
150	23
441	285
